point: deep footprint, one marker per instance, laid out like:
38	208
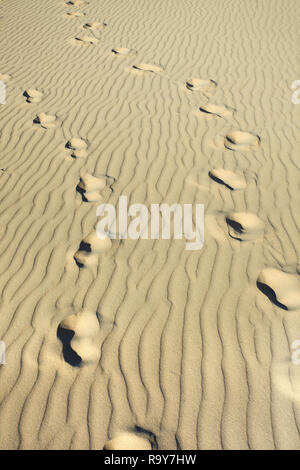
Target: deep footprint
78	147
91	188
70	356
33	96
241	141
282	289
228	178
244	226
77	333
46	121
90	248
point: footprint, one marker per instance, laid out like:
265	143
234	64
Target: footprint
78	147
90	248
240	140
91	187
75	14
95	26
128	441
77	3
148	68
86	39
5	77
45	120
244	226
33	96
217	110
198	84
77	333
70	356
123	51
228	178
283	289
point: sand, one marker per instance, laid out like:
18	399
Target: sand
141	343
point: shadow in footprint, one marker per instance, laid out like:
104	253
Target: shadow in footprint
123	51
203	110
70	356
148	68
86	247
235	225
87	40
27	96
81	191
217	180
148	434
46	121
227	178
33	96
270	294
78	147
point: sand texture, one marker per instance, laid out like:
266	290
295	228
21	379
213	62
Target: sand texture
140	343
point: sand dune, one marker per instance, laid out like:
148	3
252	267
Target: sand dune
123	344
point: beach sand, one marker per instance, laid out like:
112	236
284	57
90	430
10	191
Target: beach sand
142	343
